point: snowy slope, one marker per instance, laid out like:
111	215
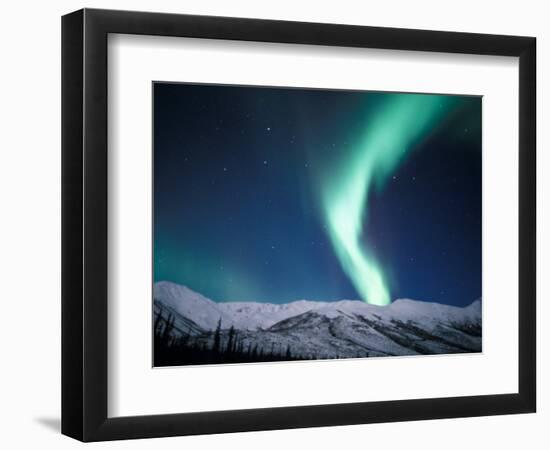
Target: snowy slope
346	328
251	315
242	315
201	310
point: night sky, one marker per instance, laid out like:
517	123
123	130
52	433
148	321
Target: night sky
274	195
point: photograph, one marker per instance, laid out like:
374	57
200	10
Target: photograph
297	224
247	225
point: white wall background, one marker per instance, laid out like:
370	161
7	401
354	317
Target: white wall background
30	226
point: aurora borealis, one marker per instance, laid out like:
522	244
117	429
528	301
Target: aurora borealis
388	139
274	195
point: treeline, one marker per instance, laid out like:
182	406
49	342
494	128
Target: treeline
217	347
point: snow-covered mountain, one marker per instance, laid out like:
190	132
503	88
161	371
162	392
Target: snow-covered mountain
190	304
347	328
242	315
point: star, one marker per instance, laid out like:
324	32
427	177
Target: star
225	169
268	129
265	162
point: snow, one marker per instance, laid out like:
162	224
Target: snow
201	310
346	328
253	315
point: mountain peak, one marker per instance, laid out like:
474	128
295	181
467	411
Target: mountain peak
344	328
255	315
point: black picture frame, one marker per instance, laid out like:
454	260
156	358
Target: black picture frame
85	236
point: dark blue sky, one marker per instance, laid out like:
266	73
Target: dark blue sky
237	215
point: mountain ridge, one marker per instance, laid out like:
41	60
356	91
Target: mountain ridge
315	330
252	315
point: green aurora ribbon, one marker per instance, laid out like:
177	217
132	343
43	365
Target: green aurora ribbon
390	135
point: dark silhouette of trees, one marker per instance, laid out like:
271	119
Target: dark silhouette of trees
231	340
173	347
216	346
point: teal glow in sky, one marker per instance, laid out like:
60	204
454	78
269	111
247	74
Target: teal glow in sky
389	137
278	194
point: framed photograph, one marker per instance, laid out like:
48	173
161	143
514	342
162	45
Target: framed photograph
273	224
